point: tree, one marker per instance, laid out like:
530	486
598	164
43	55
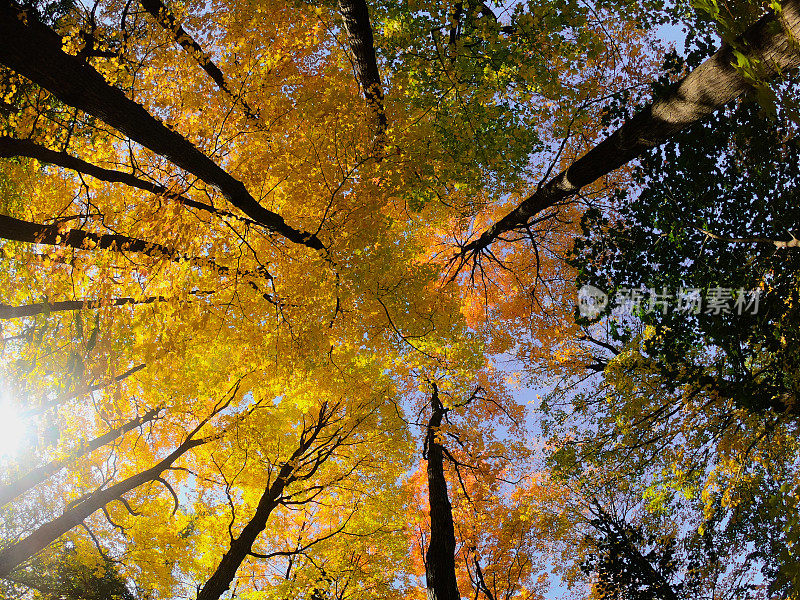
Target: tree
769	43
34	50
623	570
728	222
10	491
18	552
198	220
472	508
65	576
699	402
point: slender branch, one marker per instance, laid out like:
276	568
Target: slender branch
301	549
15	554
480	579
175	500
240	547
655	579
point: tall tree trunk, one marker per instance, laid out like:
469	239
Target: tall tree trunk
52	235
167	20
440	563
14	555
455	23
34	233
10	146
31	310
240	548
772	42
32	49
355	15
10	491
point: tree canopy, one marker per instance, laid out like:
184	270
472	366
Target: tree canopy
281	280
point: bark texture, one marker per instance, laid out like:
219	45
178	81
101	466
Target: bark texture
34	50
10	491
355	15
772	42
440	563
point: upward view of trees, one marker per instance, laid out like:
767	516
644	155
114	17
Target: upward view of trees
289	298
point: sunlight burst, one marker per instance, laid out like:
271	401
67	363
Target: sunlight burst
12	427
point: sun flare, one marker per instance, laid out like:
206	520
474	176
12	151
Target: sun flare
12	427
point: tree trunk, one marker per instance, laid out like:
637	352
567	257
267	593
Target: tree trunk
240	548
52	235
772	42
10	491
440	564
10	146
34	233
355	15
31	310
34	50
14	555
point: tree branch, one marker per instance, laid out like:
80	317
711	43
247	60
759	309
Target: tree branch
10	146
167	20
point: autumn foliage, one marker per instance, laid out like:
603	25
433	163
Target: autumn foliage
257	341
